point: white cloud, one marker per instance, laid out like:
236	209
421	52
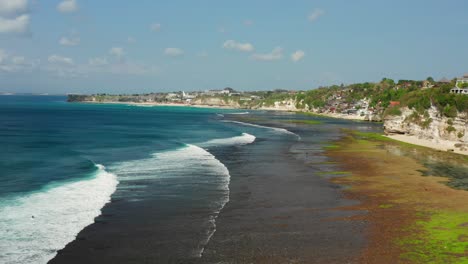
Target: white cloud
13	7
155	27
117	52
233	45
67	6
131	40
297	55
98	61
10	64
173	52
18	60
315	14
69	41
100	66
19	24
60	60
275	54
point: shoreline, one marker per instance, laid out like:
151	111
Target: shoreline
441	145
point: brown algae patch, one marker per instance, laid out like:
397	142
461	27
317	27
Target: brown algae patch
412	218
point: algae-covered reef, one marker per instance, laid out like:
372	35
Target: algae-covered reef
416	208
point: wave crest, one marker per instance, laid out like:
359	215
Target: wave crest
243	139
37	225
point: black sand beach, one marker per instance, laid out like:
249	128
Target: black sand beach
280	211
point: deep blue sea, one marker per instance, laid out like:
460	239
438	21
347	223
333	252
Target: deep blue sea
61	162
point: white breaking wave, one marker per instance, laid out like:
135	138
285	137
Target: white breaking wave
244	139
174	164
241	113
281	130
35	226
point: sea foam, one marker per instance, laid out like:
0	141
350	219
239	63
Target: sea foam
277	129
244	139
181	163
35	226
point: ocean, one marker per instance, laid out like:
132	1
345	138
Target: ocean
61	162
131	184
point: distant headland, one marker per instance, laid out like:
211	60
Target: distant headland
425	112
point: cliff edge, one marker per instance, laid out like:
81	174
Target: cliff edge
450	133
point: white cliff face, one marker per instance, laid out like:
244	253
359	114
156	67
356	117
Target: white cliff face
215	101
286	105
441	128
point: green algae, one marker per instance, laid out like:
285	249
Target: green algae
438	236
331	146
325	162
305	122
386	206
443	238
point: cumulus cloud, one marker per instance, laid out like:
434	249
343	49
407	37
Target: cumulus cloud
117	52
67	6
98	61
275	54
65	41
131	40
10	64
315	14
234	45
18	60
173	52
297	55
155	27
13	7
60	60
19	24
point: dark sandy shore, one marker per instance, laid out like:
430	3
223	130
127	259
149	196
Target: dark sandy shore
280	211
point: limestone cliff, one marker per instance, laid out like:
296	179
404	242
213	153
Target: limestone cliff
285	105
215	101
431	125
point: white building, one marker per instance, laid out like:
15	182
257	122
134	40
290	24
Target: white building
458	89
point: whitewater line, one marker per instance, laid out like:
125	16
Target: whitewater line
282	130
35	226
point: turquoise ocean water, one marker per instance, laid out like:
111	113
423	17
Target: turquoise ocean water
60	163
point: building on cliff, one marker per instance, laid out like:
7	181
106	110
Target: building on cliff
461	86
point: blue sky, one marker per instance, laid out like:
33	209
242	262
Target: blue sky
118	46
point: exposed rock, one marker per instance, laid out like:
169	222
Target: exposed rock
433	126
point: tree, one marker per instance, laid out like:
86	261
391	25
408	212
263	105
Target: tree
430	79
388	81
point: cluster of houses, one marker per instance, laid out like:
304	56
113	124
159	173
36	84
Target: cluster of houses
337	104
183	97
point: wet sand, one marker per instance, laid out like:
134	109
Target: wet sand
282	212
